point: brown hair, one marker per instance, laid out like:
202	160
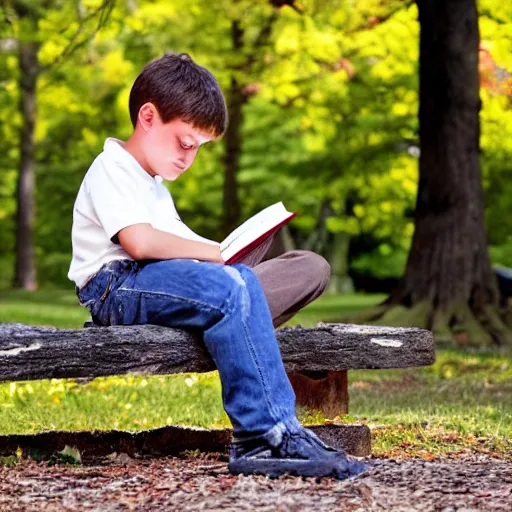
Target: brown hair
180	88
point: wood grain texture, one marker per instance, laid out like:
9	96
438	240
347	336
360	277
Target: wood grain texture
32	353
328	394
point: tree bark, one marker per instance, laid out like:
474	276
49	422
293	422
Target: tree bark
327	394
237	97
25	272
31	353
448	279
233	141
340	282
29	14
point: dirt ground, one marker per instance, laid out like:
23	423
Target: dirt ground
462	483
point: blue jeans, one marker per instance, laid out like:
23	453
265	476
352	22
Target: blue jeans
228	304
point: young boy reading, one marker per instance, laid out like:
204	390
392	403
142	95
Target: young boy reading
135	262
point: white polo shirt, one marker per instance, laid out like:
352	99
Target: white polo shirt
117	192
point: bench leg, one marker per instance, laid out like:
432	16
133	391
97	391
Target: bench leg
326	392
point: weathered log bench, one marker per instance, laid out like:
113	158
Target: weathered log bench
317	360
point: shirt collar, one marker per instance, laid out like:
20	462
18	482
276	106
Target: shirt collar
115	147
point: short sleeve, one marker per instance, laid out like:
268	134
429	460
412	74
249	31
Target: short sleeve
117	198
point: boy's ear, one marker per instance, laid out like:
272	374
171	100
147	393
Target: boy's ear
147	115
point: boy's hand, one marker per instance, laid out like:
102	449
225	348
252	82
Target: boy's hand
212	254
218	255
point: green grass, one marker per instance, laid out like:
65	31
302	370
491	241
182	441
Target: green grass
45	307
60	308
331	307
462	402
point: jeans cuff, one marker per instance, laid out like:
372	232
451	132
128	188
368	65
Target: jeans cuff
274	436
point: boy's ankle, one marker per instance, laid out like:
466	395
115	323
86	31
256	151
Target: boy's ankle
274	436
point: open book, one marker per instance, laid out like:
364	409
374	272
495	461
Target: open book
253	232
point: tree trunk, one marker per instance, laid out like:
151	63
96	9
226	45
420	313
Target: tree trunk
449	286
340	282
448	280
233	142
25	273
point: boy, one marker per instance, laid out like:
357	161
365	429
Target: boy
135	262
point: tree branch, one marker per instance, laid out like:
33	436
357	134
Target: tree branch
103	12
379	20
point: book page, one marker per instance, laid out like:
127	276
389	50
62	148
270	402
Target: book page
274	210
253	228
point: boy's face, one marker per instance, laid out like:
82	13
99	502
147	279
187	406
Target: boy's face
169	149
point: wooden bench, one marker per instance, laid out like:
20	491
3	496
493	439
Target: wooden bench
317	360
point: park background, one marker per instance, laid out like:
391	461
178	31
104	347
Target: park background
323	98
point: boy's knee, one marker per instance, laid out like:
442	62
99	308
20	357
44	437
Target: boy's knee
235	276
314	266
241	275
240	278
319	269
